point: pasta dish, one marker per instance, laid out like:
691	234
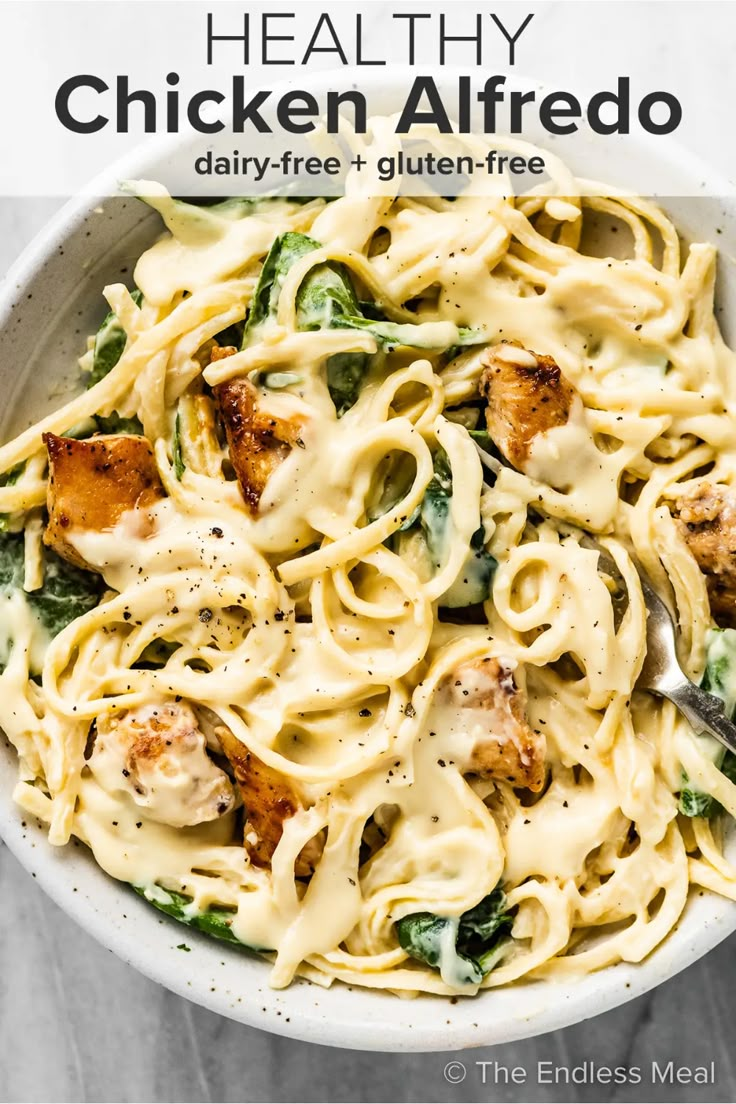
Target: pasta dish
305	629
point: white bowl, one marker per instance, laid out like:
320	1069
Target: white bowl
49	302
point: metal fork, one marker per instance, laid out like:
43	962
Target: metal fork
661	673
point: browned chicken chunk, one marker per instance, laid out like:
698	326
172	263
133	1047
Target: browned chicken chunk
220	352
258	441
526	393
493	711
93	483
269	799
157	755
707	520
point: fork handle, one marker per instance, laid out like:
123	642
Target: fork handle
703	711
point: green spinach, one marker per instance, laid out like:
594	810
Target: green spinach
231	335
432	518
109	346
285	252
326	300
9	479
67	591
216	922
12	559
482	439
719	678
179	465
275	381
232	207
464	950
115	423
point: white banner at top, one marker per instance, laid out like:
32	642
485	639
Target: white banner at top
228	97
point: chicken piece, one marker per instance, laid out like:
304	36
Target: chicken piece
157	755
269	799
526	393
707	521
258	441
494	712
219	352
93	483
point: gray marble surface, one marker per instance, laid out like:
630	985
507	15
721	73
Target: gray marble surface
76	1024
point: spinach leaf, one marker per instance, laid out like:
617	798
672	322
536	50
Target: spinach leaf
109	344
213	921
473	584
326	300
275	381
483	439
66	594
464	950
192	220
107	424
284	252
115	423
232	207
393	335
231	335
235	207
325	288
719	678
9	479
67	591
345	375
695	803
12	558
179	465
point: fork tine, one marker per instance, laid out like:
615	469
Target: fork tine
652	597
607	564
